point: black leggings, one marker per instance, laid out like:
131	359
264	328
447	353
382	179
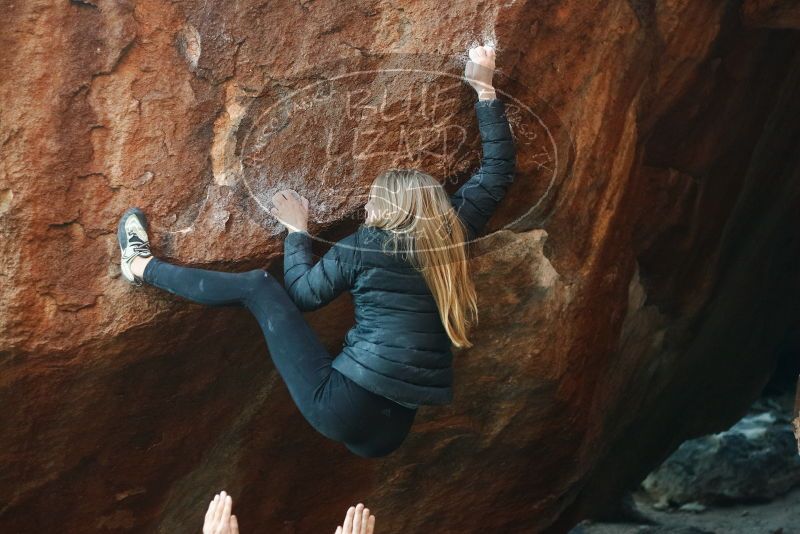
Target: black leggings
368	424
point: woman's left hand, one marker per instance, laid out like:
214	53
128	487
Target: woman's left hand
291	210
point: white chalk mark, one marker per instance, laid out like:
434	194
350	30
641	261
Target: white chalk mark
291	183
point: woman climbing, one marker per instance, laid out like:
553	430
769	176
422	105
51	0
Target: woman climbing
406	268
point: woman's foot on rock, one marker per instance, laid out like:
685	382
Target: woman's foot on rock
133	243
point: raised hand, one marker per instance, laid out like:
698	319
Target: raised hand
357	521
218	516
479	71
291	210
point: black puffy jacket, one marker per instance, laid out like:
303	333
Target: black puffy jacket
398	347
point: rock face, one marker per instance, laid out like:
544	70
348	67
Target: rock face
754	461
796	412
632	288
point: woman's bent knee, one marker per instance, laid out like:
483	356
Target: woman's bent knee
258	279
381	444
373	451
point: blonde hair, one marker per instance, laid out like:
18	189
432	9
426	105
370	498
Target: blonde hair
424	227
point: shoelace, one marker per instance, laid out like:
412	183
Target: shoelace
139	246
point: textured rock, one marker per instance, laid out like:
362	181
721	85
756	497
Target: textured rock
796	412
771	13
633	300
753	461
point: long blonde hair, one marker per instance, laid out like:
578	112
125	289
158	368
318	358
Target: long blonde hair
425	229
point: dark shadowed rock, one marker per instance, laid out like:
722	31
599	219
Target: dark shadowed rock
753	461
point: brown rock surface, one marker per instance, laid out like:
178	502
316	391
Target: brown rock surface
633	300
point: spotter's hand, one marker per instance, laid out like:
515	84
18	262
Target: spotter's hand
357	521
291	210
218	516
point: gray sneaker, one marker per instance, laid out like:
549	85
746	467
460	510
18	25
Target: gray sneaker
133	241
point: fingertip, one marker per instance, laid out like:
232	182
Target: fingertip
348	518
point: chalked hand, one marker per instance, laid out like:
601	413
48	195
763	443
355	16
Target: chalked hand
479	70
291	210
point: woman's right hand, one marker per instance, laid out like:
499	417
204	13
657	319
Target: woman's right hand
479	71
291	210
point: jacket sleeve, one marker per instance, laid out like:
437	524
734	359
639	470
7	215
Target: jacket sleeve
477	199
309	285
